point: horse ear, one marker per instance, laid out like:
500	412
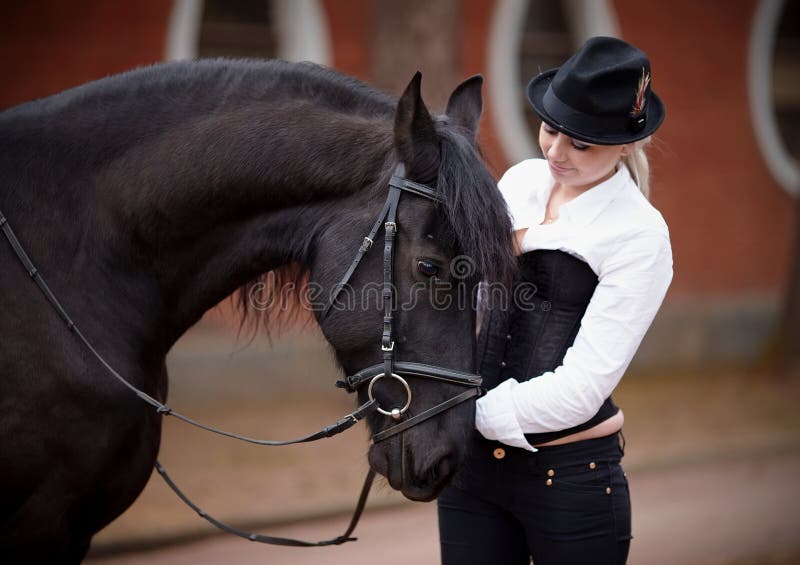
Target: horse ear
414	131
466	104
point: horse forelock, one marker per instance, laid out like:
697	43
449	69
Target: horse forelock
474	208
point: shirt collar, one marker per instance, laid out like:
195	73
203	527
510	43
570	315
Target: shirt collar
584	208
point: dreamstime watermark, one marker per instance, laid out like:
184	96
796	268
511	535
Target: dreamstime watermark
457	290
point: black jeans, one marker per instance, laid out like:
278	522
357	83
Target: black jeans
563	505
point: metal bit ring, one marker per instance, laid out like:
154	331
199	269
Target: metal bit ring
395	412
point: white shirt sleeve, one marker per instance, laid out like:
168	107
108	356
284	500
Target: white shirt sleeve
631	287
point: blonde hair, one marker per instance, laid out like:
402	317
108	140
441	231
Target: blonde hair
638	165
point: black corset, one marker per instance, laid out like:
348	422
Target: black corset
530	333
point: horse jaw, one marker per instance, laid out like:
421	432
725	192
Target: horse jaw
419	474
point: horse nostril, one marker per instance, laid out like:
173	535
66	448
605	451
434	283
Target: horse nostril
444	468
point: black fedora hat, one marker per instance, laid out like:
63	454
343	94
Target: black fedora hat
601	95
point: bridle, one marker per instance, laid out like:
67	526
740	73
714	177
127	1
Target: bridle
389	369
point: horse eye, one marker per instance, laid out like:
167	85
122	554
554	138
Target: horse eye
427	268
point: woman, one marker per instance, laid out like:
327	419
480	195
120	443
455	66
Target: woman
544	479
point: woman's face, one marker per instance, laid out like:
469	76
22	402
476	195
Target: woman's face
577	164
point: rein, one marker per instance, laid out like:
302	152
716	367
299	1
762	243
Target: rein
388	369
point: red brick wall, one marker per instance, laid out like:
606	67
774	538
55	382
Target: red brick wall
350	27
51	45
476	21
730	221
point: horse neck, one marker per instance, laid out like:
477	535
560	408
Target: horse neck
218	201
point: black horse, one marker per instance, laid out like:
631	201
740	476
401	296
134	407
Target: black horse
146	198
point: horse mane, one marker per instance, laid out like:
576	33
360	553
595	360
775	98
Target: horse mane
213	83
473	207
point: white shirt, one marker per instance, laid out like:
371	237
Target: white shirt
625	241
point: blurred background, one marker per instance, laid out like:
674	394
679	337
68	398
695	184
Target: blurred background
711	399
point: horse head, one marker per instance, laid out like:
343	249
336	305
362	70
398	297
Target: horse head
441	250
